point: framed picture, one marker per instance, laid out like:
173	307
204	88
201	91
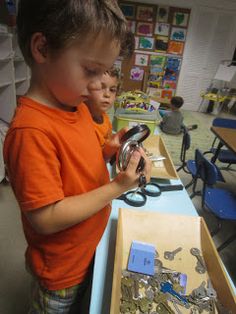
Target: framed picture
146	43
157	61
131	26
167	93
128	10
162	14
136	74
156	70
168	84
180	19
161	43
141	59
175	47
144	29
145	13
172	69
178	34
162	29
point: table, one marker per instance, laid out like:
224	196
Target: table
227	137
177	202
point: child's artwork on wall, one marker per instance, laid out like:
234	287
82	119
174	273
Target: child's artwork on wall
154	80
144	29
175	47
168	84
146	43
162	14
136	74
178	34
157	70
145	13
141	59
161	43
118	64
131	25
166	93
172	69
180	19
162	29
128	10
157	60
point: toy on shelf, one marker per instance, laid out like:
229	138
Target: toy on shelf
134	101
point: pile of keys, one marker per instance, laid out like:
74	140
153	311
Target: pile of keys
164	293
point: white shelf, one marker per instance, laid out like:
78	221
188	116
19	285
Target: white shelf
14	75
7	102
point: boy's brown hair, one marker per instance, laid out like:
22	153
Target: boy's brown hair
177	101
62	21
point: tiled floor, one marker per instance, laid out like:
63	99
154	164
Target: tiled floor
14	280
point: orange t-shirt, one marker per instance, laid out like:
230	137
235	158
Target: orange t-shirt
103	130
51	154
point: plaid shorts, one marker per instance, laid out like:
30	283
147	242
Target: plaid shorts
72	300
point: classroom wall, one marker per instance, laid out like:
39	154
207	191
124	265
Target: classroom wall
210	39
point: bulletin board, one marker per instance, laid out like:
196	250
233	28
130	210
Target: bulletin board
160	35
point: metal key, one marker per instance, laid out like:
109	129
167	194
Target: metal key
167	287
210	291
201	267
170	255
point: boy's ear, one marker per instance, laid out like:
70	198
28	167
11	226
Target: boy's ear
38	47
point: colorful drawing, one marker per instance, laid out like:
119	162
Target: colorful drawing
144	29
128	10
166	93
175	47
180	19
172	69
145	13
156	70
178	34
162	29
118	64
162	14
168	84
157	60
141	59
136	74
161	43
152	91
146	43
131	26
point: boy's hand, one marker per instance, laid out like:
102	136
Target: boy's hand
111	146
129	178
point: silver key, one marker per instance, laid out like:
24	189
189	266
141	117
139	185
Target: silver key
201	267
210	291
170	255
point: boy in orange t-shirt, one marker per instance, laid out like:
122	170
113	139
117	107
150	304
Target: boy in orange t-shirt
54	160
100	101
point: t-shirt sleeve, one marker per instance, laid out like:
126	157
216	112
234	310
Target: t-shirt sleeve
33	168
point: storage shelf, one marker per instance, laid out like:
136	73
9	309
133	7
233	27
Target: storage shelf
4	84
14	75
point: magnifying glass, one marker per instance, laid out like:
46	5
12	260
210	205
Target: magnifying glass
131	141
135	136
138	199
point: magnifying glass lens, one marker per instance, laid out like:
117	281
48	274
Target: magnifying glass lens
135	198
152	189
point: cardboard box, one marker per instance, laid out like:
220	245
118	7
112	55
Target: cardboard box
164	169
167	232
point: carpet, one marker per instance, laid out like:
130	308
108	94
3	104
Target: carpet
201	138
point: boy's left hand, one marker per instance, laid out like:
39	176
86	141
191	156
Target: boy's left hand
110	148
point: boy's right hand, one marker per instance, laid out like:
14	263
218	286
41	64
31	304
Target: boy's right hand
129	178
